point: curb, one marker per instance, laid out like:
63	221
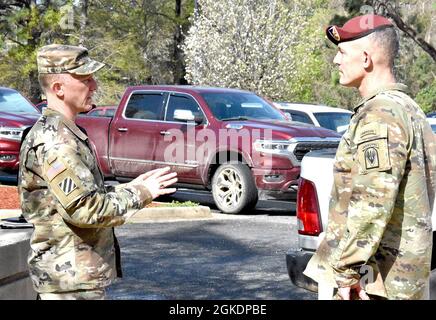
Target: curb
9	213
143	215
171	213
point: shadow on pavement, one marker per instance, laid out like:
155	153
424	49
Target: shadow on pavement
197	260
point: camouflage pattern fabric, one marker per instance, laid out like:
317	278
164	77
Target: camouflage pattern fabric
57	58
98	294
62	193
379	230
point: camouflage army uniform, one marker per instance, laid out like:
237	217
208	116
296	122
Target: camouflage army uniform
381	202
73	246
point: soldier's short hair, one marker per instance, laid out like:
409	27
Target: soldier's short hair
45	79
388	41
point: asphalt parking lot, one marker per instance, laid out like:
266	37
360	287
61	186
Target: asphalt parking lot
225	257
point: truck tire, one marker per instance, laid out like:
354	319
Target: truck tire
233	188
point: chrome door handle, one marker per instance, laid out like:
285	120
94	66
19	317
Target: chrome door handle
165	133
123	129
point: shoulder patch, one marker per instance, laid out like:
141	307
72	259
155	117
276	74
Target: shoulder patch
67	185
372	131
56	168
372	148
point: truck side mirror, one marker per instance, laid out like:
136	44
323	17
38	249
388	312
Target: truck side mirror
186	116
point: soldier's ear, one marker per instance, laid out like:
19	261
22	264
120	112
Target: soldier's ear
367	60
57	88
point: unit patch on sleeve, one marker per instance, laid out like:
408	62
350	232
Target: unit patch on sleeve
371	158
67	185
372	148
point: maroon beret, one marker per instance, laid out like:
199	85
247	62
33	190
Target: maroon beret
357	27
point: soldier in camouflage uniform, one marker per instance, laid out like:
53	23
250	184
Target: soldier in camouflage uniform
74	252
378	241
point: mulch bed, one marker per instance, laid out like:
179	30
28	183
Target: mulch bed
9	198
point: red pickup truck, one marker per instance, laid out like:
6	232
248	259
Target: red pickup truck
16	114
229	141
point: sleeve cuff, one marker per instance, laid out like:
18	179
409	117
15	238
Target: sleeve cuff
143	194
346	278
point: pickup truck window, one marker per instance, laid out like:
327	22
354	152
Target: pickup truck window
234	105
180	102
299	116
13	102
333	120
147	106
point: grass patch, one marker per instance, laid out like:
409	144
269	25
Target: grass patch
180	204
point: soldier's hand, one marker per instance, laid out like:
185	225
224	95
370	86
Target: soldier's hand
157	181
345	292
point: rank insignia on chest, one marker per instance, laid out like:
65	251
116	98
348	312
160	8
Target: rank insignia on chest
67	185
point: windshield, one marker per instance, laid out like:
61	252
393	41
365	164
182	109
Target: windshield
13	102
337	121
229	106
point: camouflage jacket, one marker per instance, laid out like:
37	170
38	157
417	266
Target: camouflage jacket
379	230
62	193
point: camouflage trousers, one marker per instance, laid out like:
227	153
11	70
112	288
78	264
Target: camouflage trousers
98	294
326	292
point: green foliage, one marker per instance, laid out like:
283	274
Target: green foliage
426	97
276	48
134	38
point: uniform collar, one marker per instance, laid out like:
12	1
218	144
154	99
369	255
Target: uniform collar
389	87
70	124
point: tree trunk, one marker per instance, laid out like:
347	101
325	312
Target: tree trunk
178	67
34	89
83	21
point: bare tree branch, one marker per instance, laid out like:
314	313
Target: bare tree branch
392	13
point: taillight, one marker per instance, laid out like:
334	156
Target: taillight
308	215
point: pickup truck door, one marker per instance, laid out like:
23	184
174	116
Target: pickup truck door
134	135
177	145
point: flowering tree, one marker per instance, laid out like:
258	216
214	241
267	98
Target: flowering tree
247	44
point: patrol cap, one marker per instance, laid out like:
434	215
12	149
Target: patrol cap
357	27
59	58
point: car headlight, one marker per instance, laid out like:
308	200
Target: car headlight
11	133
279	147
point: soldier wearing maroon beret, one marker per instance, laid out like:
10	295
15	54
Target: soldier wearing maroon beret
379	235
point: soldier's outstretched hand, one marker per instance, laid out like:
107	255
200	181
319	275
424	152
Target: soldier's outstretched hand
157	181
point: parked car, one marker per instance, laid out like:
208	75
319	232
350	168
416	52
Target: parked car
431	115
16	114
432	122
102	111
41	105
231	142
336	119
316	181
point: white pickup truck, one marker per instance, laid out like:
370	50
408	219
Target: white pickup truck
316	180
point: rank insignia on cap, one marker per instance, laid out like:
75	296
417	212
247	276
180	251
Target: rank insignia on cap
67	185
334	33
371	158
